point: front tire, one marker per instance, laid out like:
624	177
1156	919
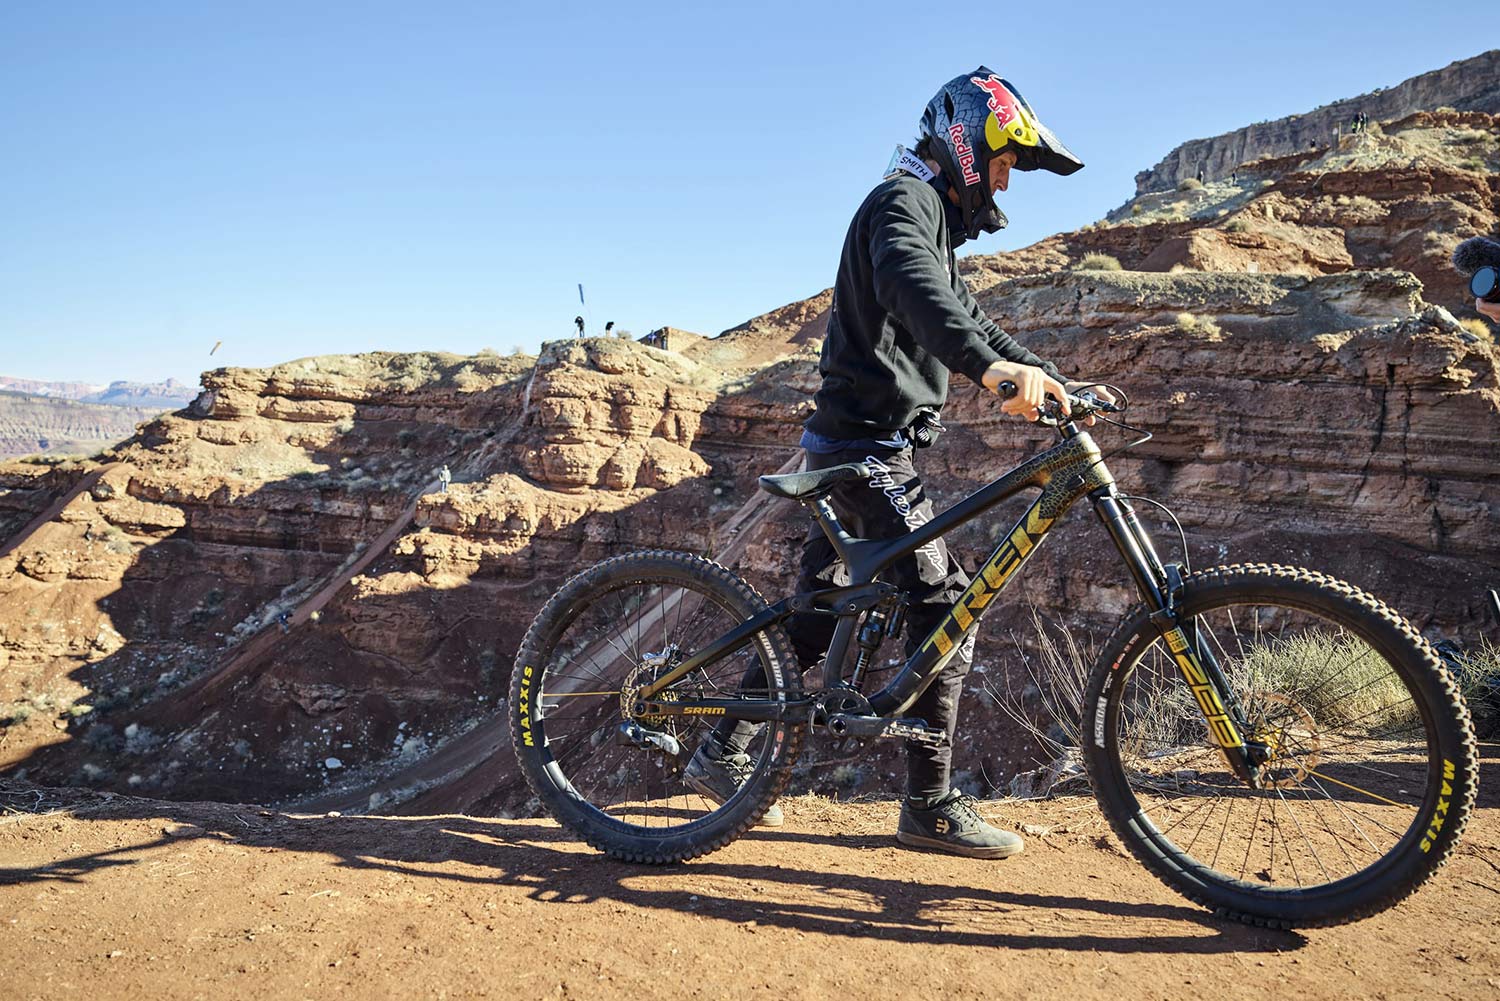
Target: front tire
1373	763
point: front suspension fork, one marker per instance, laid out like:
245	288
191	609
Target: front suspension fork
1160	586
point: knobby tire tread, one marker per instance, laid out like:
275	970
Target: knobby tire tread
1452	712
714	576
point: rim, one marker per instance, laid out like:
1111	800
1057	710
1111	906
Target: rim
628	632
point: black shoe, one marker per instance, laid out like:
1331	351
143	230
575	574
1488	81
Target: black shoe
718	776
953	825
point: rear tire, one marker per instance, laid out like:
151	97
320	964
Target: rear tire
1373	773
616	625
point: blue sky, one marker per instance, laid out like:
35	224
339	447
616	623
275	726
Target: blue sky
297	179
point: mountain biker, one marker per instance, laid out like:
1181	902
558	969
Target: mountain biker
902	320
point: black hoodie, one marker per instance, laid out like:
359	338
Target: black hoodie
902	318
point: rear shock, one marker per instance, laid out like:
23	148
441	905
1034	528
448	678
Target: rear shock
880	622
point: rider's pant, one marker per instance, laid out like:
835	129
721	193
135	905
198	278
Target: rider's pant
889	504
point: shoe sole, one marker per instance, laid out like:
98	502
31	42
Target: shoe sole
708	793
918	841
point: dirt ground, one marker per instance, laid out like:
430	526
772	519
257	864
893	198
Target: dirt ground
111	897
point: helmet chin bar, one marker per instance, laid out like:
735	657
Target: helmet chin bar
988	219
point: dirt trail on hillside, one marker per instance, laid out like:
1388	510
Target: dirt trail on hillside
106	898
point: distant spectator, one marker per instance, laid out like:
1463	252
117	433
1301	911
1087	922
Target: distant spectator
445	477
1234	177
609	328
1200	175
578	322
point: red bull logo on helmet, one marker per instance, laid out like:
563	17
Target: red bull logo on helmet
1002	102
965	153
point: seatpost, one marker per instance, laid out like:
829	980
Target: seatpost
829	523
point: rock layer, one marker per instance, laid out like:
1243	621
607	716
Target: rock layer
1466	85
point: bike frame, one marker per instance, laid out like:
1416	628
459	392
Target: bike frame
1070	470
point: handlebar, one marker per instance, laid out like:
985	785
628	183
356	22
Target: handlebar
1084	404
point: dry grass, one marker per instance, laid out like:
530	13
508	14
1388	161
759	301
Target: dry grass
1339	679
1047	705
1477	671
1201	325
1098	262
1479	328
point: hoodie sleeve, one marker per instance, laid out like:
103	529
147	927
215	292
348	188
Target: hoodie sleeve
911	281
1003	344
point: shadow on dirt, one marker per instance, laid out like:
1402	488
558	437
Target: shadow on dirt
542	861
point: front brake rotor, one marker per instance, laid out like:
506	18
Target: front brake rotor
1293	740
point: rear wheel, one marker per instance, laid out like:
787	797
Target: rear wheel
615	777
1371	772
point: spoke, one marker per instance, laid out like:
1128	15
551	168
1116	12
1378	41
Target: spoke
1250	838
1310	846
1213	863
1337	838
1352	822
1366	792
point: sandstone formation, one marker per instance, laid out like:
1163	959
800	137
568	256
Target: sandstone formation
1466	85
270	594
1402	195
51	425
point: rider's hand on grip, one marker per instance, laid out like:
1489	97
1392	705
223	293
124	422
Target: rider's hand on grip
1031	386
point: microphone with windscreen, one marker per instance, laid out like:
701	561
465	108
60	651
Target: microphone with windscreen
1479	258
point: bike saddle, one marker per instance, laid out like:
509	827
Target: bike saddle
808	486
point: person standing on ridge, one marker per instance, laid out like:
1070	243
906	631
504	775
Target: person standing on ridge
902	321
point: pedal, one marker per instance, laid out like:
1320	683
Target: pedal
915	730
906	728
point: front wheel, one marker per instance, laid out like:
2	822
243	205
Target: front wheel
1371	760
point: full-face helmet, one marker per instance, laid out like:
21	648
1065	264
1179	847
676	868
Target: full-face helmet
975	118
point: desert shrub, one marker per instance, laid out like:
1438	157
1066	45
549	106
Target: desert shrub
1047	704
1478	674
1478	328
1236	225
1191	324
1136	210
487	353
1189	184
1474	163
1098	262
1337	678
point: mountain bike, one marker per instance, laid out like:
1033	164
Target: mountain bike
1271	742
